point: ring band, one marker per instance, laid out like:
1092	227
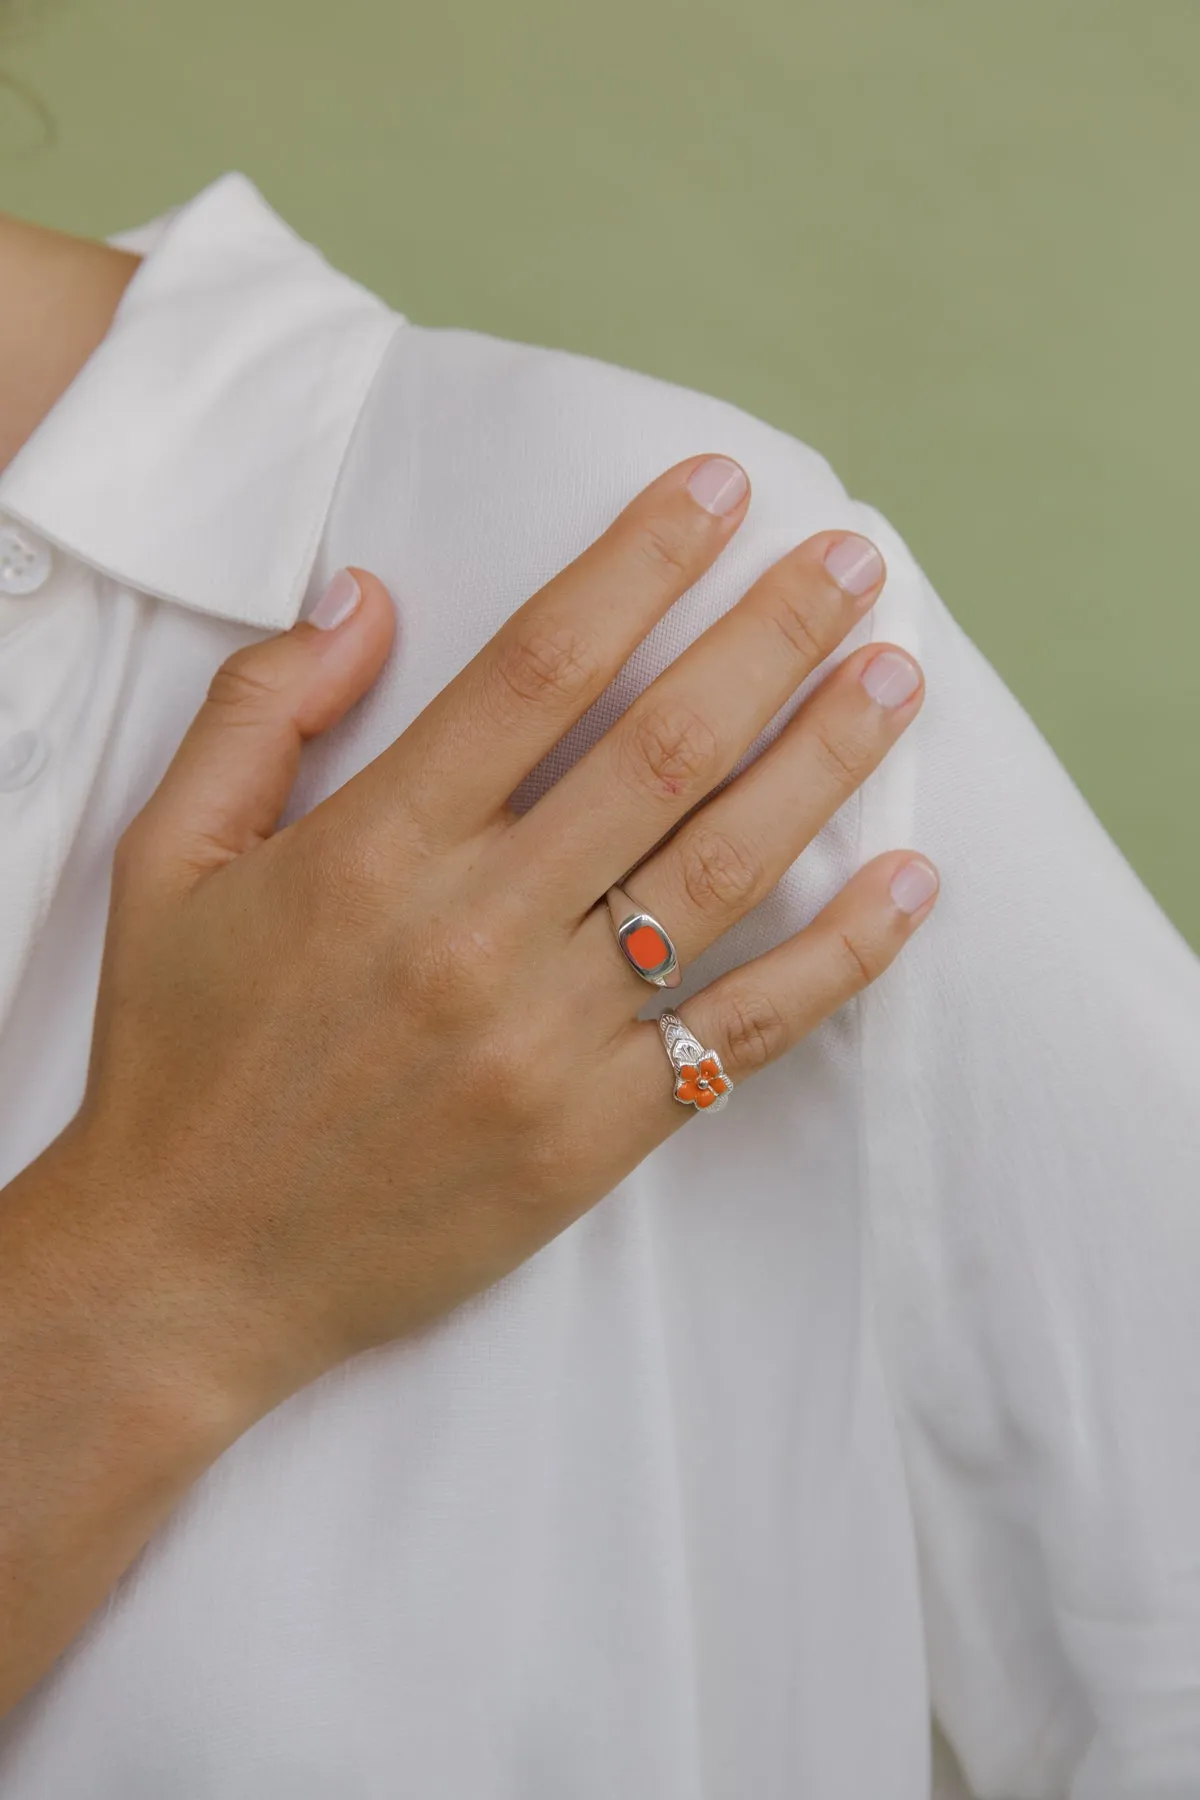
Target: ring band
700	1080
643	942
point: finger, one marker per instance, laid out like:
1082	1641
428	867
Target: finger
757	1013
730	853
471	747
687	730
234	769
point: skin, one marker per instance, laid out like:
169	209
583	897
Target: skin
329	1097
57	300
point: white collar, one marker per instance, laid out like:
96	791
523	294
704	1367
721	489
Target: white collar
195	455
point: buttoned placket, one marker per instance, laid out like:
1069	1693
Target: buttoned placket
64	641
26	570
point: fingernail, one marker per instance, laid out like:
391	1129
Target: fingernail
336	603
891	678
912	885
855	565
717	485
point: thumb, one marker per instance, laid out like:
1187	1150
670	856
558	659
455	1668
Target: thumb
231	776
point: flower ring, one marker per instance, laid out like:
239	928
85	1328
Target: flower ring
700	1080
701	1083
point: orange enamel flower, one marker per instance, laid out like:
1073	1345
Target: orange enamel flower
700	1082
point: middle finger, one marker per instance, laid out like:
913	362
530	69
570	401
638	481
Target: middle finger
687	730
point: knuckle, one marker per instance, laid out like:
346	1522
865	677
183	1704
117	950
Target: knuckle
669	749
801	637
861	961
498	1074
458	970
755	1031
245	682
554	663
505	1073
665	550
837	755
719	874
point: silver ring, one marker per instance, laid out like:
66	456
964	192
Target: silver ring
700	1079
643	942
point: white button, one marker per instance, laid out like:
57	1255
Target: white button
22	759
24	561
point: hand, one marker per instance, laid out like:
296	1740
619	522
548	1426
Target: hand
347	1073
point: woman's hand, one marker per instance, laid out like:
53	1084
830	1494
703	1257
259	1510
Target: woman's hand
348	1074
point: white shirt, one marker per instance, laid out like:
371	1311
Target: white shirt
877	1393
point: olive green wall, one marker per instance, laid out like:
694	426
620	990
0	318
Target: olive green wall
954	244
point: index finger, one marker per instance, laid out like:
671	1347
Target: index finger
461	758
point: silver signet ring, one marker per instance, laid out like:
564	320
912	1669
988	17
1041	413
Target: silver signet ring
643	941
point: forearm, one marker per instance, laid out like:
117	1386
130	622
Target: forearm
98	1440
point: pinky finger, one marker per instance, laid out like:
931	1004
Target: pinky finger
758	1012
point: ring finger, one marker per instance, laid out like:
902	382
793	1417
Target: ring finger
758	1012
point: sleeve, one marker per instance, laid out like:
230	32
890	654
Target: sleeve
1031	1127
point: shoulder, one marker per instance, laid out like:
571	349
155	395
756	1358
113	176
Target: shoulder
474	445
554	404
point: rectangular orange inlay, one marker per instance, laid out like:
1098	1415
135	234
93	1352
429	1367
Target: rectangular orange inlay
646	947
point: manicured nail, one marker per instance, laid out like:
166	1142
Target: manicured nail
912	885
336	603
717	485
891	678
855	565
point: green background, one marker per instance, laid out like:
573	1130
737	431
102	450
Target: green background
953	244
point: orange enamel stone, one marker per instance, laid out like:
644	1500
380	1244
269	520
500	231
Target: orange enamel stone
717	1083
646	947
708	1067
703	1097
688	1071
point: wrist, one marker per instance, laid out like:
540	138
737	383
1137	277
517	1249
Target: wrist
103	1429
89	1309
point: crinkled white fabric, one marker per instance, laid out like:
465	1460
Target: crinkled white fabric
877	1392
